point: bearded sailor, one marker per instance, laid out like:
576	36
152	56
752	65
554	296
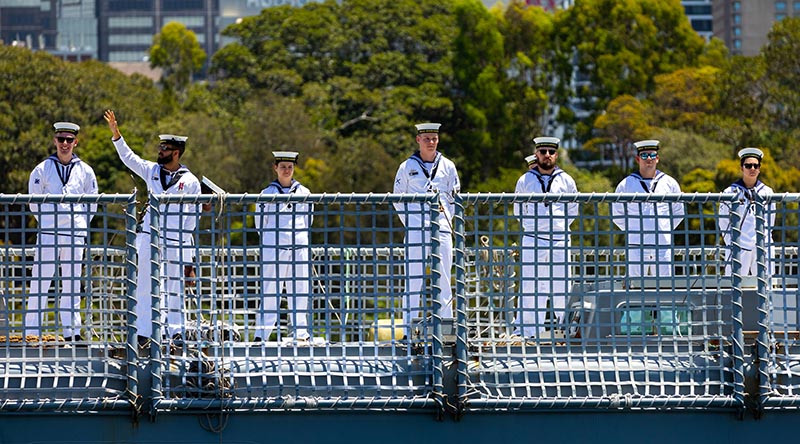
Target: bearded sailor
178	223
427	171
747	189
545	262
62	232
648	226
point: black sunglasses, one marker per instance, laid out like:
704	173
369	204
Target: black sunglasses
751	166
165	147
65	139
551	152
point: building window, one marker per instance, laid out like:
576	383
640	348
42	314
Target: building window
130	39
701	25
737	44
737	31
737	6
737	19
188	21
127	56
183	5
796	6
130	22
780	17
118	6
780	6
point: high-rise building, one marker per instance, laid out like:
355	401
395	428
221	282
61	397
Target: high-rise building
30	23
744	24
76	24
126	27
700	17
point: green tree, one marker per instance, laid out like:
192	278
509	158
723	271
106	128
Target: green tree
625	121
621	46
782	75
176	51
684	98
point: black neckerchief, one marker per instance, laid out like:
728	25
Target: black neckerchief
429	175
749	193
64	171
176	176
292	187
642	180
538	175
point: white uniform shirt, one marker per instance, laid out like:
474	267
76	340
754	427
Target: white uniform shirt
648	224
181	219
53	177
415	177
747	240
284	224
549	221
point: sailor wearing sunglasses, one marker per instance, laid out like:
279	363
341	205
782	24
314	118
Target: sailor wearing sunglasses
748	189
62	232
648	226
545	263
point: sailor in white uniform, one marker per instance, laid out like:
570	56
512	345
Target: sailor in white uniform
178	223
746	189
62	232
427	171
648	226
545	263
285	252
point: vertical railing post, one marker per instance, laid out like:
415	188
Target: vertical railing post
736	304
132	345
461	305
437	282
157	364
764	276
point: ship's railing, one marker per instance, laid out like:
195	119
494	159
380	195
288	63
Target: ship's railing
667	340
590	332
39	370
778	312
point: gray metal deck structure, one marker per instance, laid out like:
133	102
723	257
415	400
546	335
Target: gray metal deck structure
712	357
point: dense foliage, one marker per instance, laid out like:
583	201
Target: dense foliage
343	82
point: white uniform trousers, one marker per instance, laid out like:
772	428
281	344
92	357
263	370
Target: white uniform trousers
749	262
545	277
69	251
171	289
416	252
649	261
289	267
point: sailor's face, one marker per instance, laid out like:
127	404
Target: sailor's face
65	143
751	167
284	170
647	160
428	142
546	158
166	153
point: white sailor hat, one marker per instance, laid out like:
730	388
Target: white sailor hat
66	127
546	141
428	127
531	160
751	152
285	156
646	145
179	141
